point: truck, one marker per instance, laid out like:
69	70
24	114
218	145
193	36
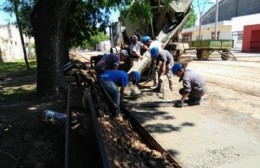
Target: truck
166	25
205	48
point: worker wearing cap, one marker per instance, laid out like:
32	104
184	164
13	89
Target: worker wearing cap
154	70
146	40
111	61
135	49
113	79
194	86
167	61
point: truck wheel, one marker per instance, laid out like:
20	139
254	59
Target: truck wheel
199	54
205	54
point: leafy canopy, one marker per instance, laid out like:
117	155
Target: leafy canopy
191	19
94	40
86	17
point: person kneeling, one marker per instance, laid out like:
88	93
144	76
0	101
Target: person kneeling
194	86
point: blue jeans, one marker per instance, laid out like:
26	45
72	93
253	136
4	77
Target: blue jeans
112	89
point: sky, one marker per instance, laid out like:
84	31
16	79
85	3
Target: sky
204	6
4	17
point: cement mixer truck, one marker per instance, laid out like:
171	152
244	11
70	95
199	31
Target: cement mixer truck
166	23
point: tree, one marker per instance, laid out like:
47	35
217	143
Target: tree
49	27
12	6
94	40
58	25
191	19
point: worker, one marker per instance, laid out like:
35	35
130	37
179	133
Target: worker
146	40
111	61
194	86
94	60
113	79
135	49
154	71
165	68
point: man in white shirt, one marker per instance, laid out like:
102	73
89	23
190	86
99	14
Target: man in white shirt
135	49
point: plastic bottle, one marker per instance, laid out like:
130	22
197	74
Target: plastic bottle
48	114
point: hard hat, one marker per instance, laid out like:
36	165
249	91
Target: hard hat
137	76
145	39
176	68
124	53
154	51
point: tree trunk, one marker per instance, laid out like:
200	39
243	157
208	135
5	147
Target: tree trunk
21	35
49	21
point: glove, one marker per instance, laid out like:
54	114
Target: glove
178	104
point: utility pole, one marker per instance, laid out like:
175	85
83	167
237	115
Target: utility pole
200	15
200	21
216	21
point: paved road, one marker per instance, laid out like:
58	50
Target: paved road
225	130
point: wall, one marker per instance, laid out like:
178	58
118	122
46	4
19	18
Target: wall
10	44
206	31
251	38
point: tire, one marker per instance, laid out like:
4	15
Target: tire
205	54
199	54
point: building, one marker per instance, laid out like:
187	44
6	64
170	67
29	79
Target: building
238	20
11	45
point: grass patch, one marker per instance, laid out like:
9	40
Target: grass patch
20	91
17	67
16	94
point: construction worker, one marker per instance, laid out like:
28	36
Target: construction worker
135	49
146	40
111	61
194	86
165	68
113	79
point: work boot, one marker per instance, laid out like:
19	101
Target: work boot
194	101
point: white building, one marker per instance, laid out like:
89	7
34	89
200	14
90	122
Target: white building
230	29
11	45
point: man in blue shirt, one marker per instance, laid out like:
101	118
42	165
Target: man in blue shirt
112	79
111	61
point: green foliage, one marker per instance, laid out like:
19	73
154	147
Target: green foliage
191	19
94	40
167	3
17	67
85	19
24	9
139	12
